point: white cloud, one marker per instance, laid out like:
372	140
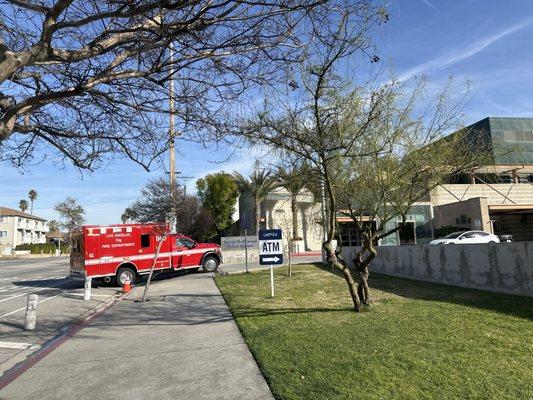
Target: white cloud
457	55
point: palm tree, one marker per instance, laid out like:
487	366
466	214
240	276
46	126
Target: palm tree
53	225
32	194
293	180
23	205
259	184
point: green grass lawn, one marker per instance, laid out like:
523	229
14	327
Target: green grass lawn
417	341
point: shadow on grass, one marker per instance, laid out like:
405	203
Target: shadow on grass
262	312
518	306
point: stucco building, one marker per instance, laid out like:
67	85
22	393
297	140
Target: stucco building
498	197
276	213
18	228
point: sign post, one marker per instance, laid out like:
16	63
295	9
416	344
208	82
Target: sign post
246	248
270	251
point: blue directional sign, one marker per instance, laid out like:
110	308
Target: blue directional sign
270	247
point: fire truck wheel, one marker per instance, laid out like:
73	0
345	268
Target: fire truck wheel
124	274
210	264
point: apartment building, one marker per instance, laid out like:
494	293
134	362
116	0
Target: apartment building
18	228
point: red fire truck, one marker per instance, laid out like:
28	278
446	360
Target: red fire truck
117	253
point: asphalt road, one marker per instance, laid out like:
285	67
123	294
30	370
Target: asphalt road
60	301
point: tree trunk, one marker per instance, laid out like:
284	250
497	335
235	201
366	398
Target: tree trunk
257	209
361	266
340	264
294	209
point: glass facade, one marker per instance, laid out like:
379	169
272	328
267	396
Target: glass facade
510	139
417	229
419	217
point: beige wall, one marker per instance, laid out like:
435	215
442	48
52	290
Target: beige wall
475	210
498	193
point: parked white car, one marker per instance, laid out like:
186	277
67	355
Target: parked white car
467	237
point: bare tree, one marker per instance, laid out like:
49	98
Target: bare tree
71	214
407	157
84	81
156	204
373	147
325	126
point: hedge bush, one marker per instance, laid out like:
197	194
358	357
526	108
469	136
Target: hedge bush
45	248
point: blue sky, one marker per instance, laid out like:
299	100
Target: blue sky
487	43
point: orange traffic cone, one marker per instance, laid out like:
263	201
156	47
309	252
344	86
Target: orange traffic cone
126	287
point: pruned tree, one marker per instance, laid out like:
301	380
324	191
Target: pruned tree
258	185
32	195
85	81
71	214
218	193
23	205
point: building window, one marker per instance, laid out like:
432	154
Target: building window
3	234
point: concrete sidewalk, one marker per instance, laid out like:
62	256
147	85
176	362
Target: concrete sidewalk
182	344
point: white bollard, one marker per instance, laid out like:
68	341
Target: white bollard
272	281
87	288
31	312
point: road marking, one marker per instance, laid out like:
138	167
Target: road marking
13	373
18	346
23	308
35	291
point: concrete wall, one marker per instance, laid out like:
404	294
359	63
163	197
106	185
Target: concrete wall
501	267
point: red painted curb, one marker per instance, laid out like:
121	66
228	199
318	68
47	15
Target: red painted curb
14	372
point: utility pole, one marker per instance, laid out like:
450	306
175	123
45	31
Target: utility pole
172	137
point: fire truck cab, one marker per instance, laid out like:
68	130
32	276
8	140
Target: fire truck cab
124	252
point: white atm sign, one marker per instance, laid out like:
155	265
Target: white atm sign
270	247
